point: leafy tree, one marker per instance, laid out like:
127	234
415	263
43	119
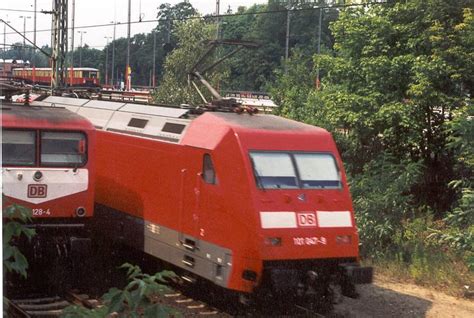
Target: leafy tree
90	57
168	15
14	229
16	52
396	79
396	95
174	89
292	89
255	69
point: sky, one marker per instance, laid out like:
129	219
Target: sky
92	12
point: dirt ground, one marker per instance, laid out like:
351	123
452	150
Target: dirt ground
387	298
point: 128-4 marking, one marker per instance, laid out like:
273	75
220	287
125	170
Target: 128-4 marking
41	212
301	241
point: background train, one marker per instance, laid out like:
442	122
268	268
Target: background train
81	76
48	166
254	204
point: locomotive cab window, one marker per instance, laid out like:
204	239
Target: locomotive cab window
317	170
208	171
18	148
274	170
291	170
65	149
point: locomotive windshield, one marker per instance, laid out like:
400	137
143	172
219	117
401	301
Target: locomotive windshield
63	149
18	147
292	170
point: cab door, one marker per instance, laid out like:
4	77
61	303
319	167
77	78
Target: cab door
198	183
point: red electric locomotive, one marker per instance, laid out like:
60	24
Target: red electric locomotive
248	202
48	166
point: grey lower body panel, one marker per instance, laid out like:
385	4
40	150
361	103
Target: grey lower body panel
202	258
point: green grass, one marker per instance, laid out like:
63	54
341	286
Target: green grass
434	269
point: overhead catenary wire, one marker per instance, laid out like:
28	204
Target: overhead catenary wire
208	17
19	10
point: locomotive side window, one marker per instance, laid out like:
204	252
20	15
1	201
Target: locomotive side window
18	148
65	149
208	171
317	170
274	170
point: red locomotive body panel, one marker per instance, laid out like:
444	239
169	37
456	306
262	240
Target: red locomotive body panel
161	183
242	201
48	162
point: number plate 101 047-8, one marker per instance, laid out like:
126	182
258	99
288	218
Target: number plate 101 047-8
314	240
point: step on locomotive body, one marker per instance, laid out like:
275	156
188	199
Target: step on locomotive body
251	203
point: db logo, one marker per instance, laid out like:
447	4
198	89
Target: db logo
37	190
307	219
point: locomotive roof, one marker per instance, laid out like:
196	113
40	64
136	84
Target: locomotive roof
209	129
173	124
21	116
267	122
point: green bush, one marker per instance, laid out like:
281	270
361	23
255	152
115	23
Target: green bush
14	229
137	299
382	201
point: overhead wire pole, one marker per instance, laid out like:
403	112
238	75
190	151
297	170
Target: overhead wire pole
107	60
24	17
113	46
71	68
80	47
217	18
154	60
59	45
5	38
127	69
318	82
287	40
218	34
34	44
113	56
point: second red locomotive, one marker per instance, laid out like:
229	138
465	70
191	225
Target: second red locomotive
47	162
48	166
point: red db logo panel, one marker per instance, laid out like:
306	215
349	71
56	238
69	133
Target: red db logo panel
307	219
37	190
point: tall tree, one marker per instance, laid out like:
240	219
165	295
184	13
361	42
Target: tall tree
266	24
398	75
191	36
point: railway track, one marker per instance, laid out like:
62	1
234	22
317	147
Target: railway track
192	306
41	307
53	306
